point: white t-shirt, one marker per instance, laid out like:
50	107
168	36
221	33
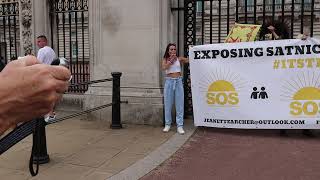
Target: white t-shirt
46	55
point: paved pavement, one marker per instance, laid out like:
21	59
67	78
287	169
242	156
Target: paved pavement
228	154
90	150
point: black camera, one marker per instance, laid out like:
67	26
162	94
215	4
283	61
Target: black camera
61	61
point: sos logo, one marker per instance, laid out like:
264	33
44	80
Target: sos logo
222	93
306	102
222	98
308	108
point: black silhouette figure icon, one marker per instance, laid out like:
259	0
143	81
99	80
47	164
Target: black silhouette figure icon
259	94
263	94
254	94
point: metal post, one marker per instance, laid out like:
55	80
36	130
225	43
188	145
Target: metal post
116	114
40	144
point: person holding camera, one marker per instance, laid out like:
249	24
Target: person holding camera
29	89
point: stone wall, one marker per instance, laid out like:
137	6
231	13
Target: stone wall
126	39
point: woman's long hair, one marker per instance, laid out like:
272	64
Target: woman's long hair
166	54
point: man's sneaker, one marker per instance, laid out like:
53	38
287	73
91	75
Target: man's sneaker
180	130
166	128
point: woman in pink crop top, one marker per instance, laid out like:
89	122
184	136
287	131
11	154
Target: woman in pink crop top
173	89
169	60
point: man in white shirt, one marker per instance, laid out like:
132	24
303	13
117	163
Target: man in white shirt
45	55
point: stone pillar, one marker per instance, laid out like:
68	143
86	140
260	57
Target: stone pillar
34	21
41	21
95	34
126	39
25	18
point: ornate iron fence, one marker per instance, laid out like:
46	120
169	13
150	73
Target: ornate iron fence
9	31
209	21
70	37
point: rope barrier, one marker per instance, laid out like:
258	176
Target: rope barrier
132	87
36	127
79	114
91	82
27	128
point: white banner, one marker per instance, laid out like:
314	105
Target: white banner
264	84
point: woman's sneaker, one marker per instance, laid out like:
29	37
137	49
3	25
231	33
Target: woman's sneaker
166	128
180	130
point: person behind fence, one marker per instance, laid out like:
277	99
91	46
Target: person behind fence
275	31
173	88
29	89
304	36
46	55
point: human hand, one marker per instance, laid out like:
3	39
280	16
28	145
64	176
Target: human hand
29	90
268	36
271	28
304	37
172	58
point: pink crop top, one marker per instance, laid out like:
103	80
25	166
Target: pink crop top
175	67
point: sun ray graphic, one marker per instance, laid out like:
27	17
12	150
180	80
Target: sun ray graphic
220	79
317	81
307	93
304	86
227	74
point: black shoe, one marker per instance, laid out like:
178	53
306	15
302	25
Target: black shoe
283	133
308	133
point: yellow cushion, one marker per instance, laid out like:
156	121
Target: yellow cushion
243	33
